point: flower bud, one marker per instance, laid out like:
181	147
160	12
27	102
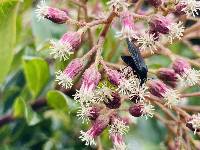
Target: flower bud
180	66
168	76
91	78
118	142
128	29
113	76
53	14
160	24
188	7
179	9
188	76
155	3
66	45
161	90
66	77
97	128
136	110
114	101
157	88
193	123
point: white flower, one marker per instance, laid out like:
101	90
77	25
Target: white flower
126	72
118	127
190	77
42	10
84	97
176	31
103	93
171	97
147	42
192	7
195	121
63	79
118	4
147	110
61	50
126	32
87	138
140	91
83	113
126	86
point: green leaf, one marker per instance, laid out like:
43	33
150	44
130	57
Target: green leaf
19	107
8	13
37	74
32	118
57	100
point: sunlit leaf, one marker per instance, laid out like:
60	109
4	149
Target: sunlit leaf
8	13
57	100
37	74
21	109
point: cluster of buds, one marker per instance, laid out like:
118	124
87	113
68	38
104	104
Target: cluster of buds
99	101
181	74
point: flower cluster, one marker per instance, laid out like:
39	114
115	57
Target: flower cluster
104	88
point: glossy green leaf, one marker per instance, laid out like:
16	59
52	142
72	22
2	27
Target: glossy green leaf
32	117
19	107
37	74
8	13
57	100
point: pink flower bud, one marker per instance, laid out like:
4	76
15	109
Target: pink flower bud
168	76
54	14
157	88
91	78
180	66
179	9
66	77
160	24
161	90
155	3
136	110
97	128
114	101
113	76
118	142
128	29
66	45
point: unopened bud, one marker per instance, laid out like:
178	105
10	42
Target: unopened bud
168	76
155	3
136	110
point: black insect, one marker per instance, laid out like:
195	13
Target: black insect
136	62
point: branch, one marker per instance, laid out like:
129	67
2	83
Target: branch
36	105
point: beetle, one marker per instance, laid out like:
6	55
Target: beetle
136	62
